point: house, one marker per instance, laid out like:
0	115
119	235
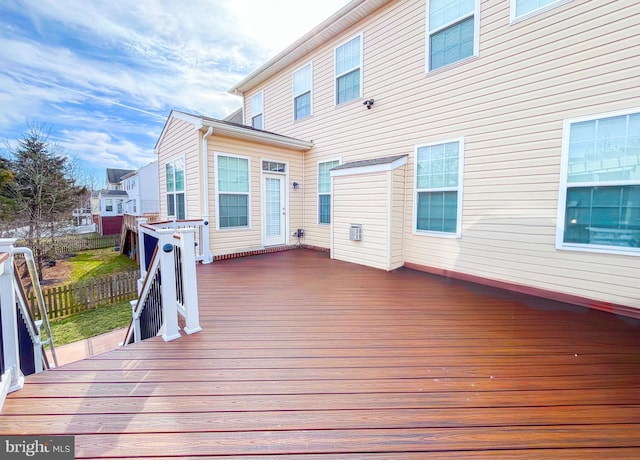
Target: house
142	190
491	141
111	202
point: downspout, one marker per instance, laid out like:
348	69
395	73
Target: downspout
208	258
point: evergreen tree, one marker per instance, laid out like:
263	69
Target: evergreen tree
42	190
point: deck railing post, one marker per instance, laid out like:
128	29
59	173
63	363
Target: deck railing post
10	318
141	252
189	282
204	241
168	286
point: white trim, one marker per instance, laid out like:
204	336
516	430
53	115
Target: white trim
564	185
255	114
216	187
513	19
319	162
476	36
172	161
284	187
370	169
294	95
361	67
459	189
195	121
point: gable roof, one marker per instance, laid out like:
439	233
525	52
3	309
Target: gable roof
235	130
340	21
114	176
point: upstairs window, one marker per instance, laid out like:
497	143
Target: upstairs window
175	189
348	70
520	8
453	31
232	191
599	205
108	205
324	190
257	110
302	83
438	185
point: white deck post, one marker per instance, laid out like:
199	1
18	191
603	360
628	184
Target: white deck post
204	241
9	318
189	281
166	251
141	254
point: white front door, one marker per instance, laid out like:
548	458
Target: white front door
274	212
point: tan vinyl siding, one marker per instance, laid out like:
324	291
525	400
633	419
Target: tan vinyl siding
228	241
361	199
509	103
181	140
397	220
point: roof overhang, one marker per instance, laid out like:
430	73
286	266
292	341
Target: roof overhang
339	22
235	131
374	165
246	133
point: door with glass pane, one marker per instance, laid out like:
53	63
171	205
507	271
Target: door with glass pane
274	210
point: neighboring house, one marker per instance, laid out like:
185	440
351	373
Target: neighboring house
115	178
111	202
495	141
109	219
142	190
235	117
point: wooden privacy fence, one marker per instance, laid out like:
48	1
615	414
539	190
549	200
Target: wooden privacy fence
72	244
75	298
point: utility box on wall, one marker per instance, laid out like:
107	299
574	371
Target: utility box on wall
372	193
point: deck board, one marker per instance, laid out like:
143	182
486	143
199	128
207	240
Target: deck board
303	357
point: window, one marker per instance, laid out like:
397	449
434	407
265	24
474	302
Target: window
599	205
302	82
324	190
520	8
438	188
119	207
348	70
175	189
274	166
232	191
257	109
453	31
108	205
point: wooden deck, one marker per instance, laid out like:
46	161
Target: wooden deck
303	357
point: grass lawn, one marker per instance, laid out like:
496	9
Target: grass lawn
90	323
98	262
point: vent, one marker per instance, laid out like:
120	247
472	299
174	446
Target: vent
355	232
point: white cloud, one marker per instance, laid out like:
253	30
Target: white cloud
106	73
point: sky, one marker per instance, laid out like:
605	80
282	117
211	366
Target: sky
104	75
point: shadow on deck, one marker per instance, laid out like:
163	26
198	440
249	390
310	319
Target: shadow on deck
305	357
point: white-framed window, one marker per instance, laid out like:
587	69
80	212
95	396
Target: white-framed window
302	92
438	188
599	199
232	191
175	188
119	207
521	9
348	70
274	166
453	31
257	110
324	190
108	205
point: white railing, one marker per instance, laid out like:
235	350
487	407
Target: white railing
168	285
22	342
202	246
